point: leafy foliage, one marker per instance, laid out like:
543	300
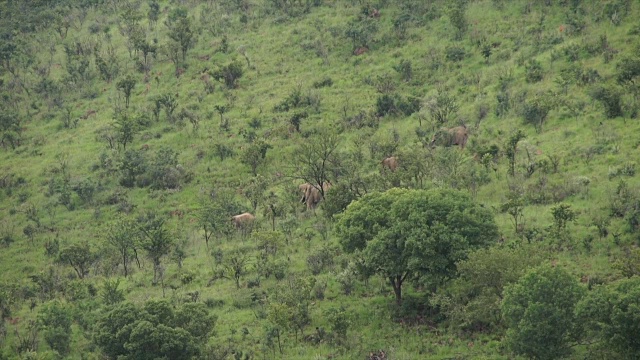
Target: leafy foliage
539	313
414	234
610	314
157	330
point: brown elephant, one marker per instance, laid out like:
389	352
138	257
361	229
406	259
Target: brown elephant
311	195
390	163
454	136
243	222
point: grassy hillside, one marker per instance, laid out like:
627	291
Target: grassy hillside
129	122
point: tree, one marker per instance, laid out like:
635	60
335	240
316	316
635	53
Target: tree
361	31
514	206
562	215
157	241
132	164
539	313
154	12
289	306
123	235
629	74
511	148
254	189
442	108
236	264
317	161
181	30
149	342
611	317
79	256
126	85
10	128
457	17
415	234
55	319
476	294
229	74
126	128
156	331
255	155
214	219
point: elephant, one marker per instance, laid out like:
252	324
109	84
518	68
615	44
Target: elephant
390	163
243	222
311	195
454	136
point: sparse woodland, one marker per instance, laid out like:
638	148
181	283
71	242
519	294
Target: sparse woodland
425	179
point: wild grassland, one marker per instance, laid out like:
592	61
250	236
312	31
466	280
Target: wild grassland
576	156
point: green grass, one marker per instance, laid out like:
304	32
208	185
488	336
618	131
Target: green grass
282	53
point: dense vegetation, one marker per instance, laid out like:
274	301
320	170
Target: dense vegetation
132	131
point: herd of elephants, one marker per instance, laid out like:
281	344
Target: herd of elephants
311	194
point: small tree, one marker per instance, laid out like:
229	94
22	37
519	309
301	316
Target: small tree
611	318
317	160
79	256
157	242
123	236
229	74
126	128
254	189
255	155
181	31
236	265
126	85
289	307
458	18
514	206
539	313
442	108
611	99
154	12
562	215
54	319
511	148
132	164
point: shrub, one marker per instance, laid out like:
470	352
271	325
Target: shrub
455	53
476	293
386	104
611	318
533	71
229	74
321	259
325	82
540	319
610	98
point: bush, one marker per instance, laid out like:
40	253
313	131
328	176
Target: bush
533	71
455	53
321	259
229	74
610	98
611	318
386	104
476	293
540	318
325	82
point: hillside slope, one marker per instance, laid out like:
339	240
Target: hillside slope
132	131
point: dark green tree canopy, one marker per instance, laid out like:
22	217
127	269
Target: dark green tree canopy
421	234
157	330
611	316
539	312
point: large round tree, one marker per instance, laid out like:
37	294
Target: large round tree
402	233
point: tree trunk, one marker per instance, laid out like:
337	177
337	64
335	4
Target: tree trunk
396	282
124	262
